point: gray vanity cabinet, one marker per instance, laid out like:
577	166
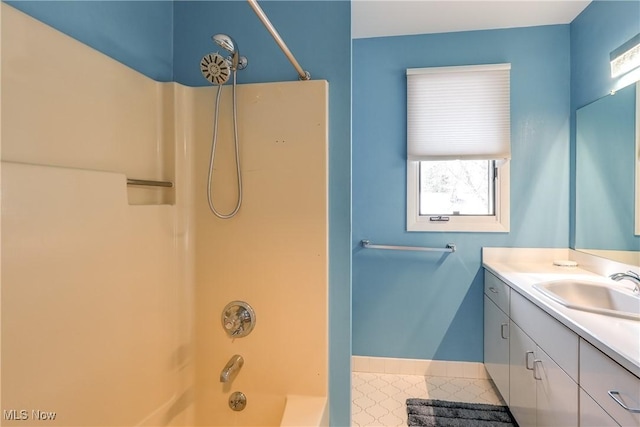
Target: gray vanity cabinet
522	384
592	414
496	333
556	394
542	394
541	375
553	365
612	388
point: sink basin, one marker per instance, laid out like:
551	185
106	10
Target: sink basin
592	296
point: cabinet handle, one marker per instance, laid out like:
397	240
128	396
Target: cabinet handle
503	334
526	362
535	370
492	289
614	395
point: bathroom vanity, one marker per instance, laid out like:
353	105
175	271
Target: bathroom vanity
555	365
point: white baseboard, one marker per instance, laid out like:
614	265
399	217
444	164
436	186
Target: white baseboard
435	368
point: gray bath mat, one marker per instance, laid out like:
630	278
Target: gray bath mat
441	413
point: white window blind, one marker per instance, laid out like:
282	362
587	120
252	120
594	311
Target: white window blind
459	113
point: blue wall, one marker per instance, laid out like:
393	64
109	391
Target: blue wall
416	305
319	51
143	34
137	33
599	29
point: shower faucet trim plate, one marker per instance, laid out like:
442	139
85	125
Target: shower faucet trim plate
238	319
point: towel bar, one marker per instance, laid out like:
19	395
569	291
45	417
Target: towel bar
450	247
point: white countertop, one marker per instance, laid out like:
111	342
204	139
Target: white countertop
618	338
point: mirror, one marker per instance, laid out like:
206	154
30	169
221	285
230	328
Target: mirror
607	217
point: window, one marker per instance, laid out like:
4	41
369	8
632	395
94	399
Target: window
457	205
458	148
456	187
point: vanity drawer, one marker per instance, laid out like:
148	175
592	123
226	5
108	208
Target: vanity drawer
600	375
497	291
558	341
592	415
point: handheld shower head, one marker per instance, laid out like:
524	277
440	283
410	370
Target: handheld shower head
227	43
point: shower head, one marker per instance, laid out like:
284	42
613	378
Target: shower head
227	43
215	68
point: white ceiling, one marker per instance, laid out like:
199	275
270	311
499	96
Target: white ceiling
377	18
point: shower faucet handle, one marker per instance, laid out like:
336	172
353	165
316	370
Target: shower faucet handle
230	325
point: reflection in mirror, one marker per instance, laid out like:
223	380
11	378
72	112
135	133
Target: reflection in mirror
606	164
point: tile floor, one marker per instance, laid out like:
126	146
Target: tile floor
380	399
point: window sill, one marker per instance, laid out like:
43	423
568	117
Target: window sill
458	226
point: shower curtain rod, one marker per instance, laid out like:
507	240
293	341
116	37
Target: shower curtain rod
302	74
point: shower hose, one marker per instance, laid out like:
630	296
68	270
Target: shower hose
213	154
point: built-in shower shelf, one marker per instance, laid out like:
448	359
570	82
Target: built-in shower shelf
149	183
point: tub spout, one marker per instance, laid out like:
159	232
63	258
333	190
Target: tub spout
231	369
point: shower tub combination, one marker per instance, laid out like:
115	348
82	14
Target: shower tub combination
134	278
271	255
261	243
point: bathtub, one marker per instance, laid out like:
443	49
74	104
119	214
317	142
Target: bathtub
305	411
264	410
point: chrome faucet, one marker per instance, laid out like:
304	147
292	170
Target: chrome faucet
231	369
629	275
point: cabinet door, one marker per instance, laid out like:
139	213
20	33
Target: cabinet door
522	385
556	393
496	346
557	340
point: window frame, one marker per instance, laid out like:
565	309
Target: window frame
497	223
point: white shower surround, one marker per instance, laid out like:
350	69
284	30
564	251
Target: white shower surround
150	334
